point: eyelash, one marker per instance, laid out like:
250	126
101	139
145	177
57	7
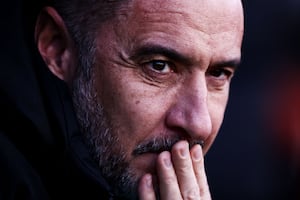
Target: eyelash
159	63
167	69
226	72
219	77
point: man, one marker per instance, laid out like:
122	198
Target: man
149	82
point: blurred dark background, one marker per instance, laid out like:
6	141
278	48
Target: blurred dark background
256	155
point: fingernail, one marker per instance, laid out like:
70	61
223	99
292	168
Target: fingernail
167	162
149	181
197	153
184	151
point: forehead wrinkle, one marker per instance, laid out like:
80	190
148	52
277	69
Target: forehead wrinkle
205	15
167	22
171	17
166	14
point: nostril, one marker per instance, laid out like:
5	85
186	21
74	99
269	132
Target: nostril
180	132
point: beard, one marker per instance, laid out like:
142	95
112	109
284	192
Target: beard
103	140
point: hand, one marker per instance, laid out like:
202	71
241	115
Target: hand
181	175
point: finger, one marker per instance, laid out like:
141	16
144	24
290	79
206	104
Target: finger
184	171
168	185
199	169
146	189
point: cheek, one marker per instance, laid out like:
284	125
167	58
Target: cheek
217	105
217	114
141	111
133	108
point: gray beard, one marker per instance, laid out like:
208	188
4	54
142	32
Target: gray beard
102	140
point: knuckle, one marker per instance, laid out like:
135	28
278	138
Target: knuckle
201	168
204	190
169	180
191	194
185	166
184	169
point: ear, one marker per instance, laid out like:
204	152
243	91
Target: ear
55	44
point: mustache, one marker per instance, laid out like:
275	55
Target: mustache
158	145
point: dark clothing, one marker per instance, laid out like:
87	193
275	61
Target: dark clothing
42	154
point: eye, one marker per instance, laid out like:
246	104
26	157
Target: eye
219	77
159	66
220	73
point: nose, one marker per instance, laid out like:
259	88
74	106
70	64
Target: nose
190	112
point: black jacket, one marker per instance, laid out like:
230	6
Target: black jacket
42	155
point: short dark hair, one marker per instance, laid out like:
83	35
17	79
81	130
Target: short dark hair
85	15
82	19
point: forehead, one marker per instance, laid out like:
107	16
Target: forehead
190	26
210	16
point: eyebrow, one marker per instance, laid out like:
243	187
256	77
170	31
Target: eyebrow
172	54
233	63
161	50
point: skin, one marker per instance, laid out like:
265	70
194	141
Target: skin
162	70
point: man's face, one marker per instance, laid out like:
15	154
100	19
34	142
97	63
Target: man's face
161	73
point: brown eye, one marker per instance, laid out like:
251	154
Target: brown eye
219	77
220	73
159	66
